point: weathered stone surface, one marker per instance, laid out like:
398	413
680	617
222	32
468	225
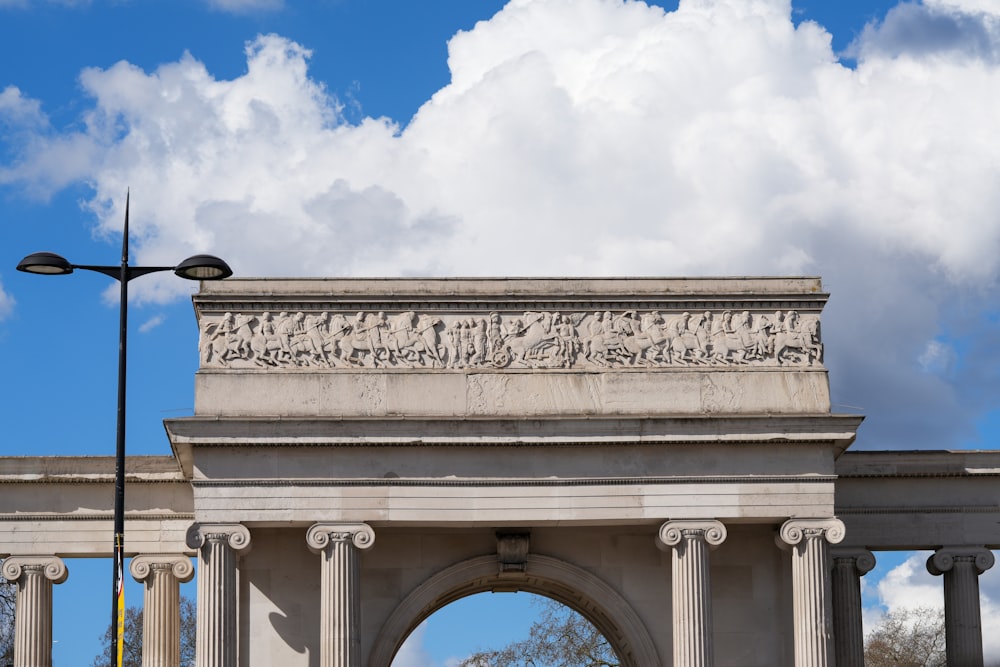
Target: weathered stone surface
161	623
689	543
920	499
34	576
467	347
808	540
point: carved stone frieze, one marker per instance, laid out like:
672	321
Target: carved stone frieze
526	340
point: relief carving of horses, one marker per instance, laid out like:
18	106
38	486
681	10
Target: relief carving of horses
805	341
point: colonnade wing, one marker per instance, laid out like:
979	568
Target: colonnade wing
63	506
919	499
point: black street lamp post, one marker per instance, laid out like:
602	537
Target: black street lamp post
197	267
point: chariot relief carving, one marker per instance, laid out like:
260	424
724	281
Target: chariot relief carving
529	340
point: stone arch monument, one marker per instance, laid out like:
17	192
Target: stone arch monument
659	454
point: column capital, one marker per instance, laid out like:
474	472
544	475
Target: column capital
52	567
321	535
863	559
944	559
179	566
672	532
794	531
236	535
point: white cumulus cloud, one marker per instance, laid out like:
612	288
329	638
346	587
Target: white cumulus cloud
601	137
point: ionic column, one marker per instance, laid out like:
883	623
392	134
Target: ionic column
849	565
961	567
220	546
161	606
811	587
340	597
34	576
692	592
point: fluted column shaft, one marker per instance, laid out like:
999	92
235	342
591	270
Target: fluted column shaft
690	542
161	610
339	545
34	576
220	546
961	567
849	565
811	587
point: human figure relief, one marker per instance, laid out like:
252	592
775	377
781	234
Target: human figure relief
802	337
452	341
686	344
409	342
465	348
651	338
495	333
304	347
567	340
479	341
535	339
215	340
269	348
359	346
634	345
533	344
427	327
593	343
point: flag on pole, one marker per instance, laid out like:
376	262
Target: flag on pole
120	630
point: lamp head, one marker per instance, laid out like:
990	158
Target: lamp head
45	263
202	267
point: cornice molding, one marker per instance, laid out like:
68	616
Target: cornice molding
487	482
108	516
937	509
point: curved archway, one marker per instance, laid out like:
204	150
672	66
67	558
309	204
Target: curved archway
566	583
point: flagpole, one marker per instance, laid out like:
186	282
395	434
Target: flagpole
118	606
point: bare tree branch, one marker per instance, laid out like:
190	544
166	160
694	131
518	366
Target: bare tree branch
8	597
907	638
559	638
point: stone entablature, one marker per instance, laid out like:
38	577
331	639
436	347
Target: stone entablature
63	505
919	499
494	324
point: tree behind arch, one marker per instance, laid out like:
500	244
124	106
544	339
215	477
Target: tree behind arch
559	638
909	637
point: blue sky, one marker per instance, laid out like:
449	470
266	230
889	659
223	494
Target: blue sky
852	140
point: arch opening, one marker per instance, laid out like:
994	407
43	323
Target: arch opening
552	578
506	628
